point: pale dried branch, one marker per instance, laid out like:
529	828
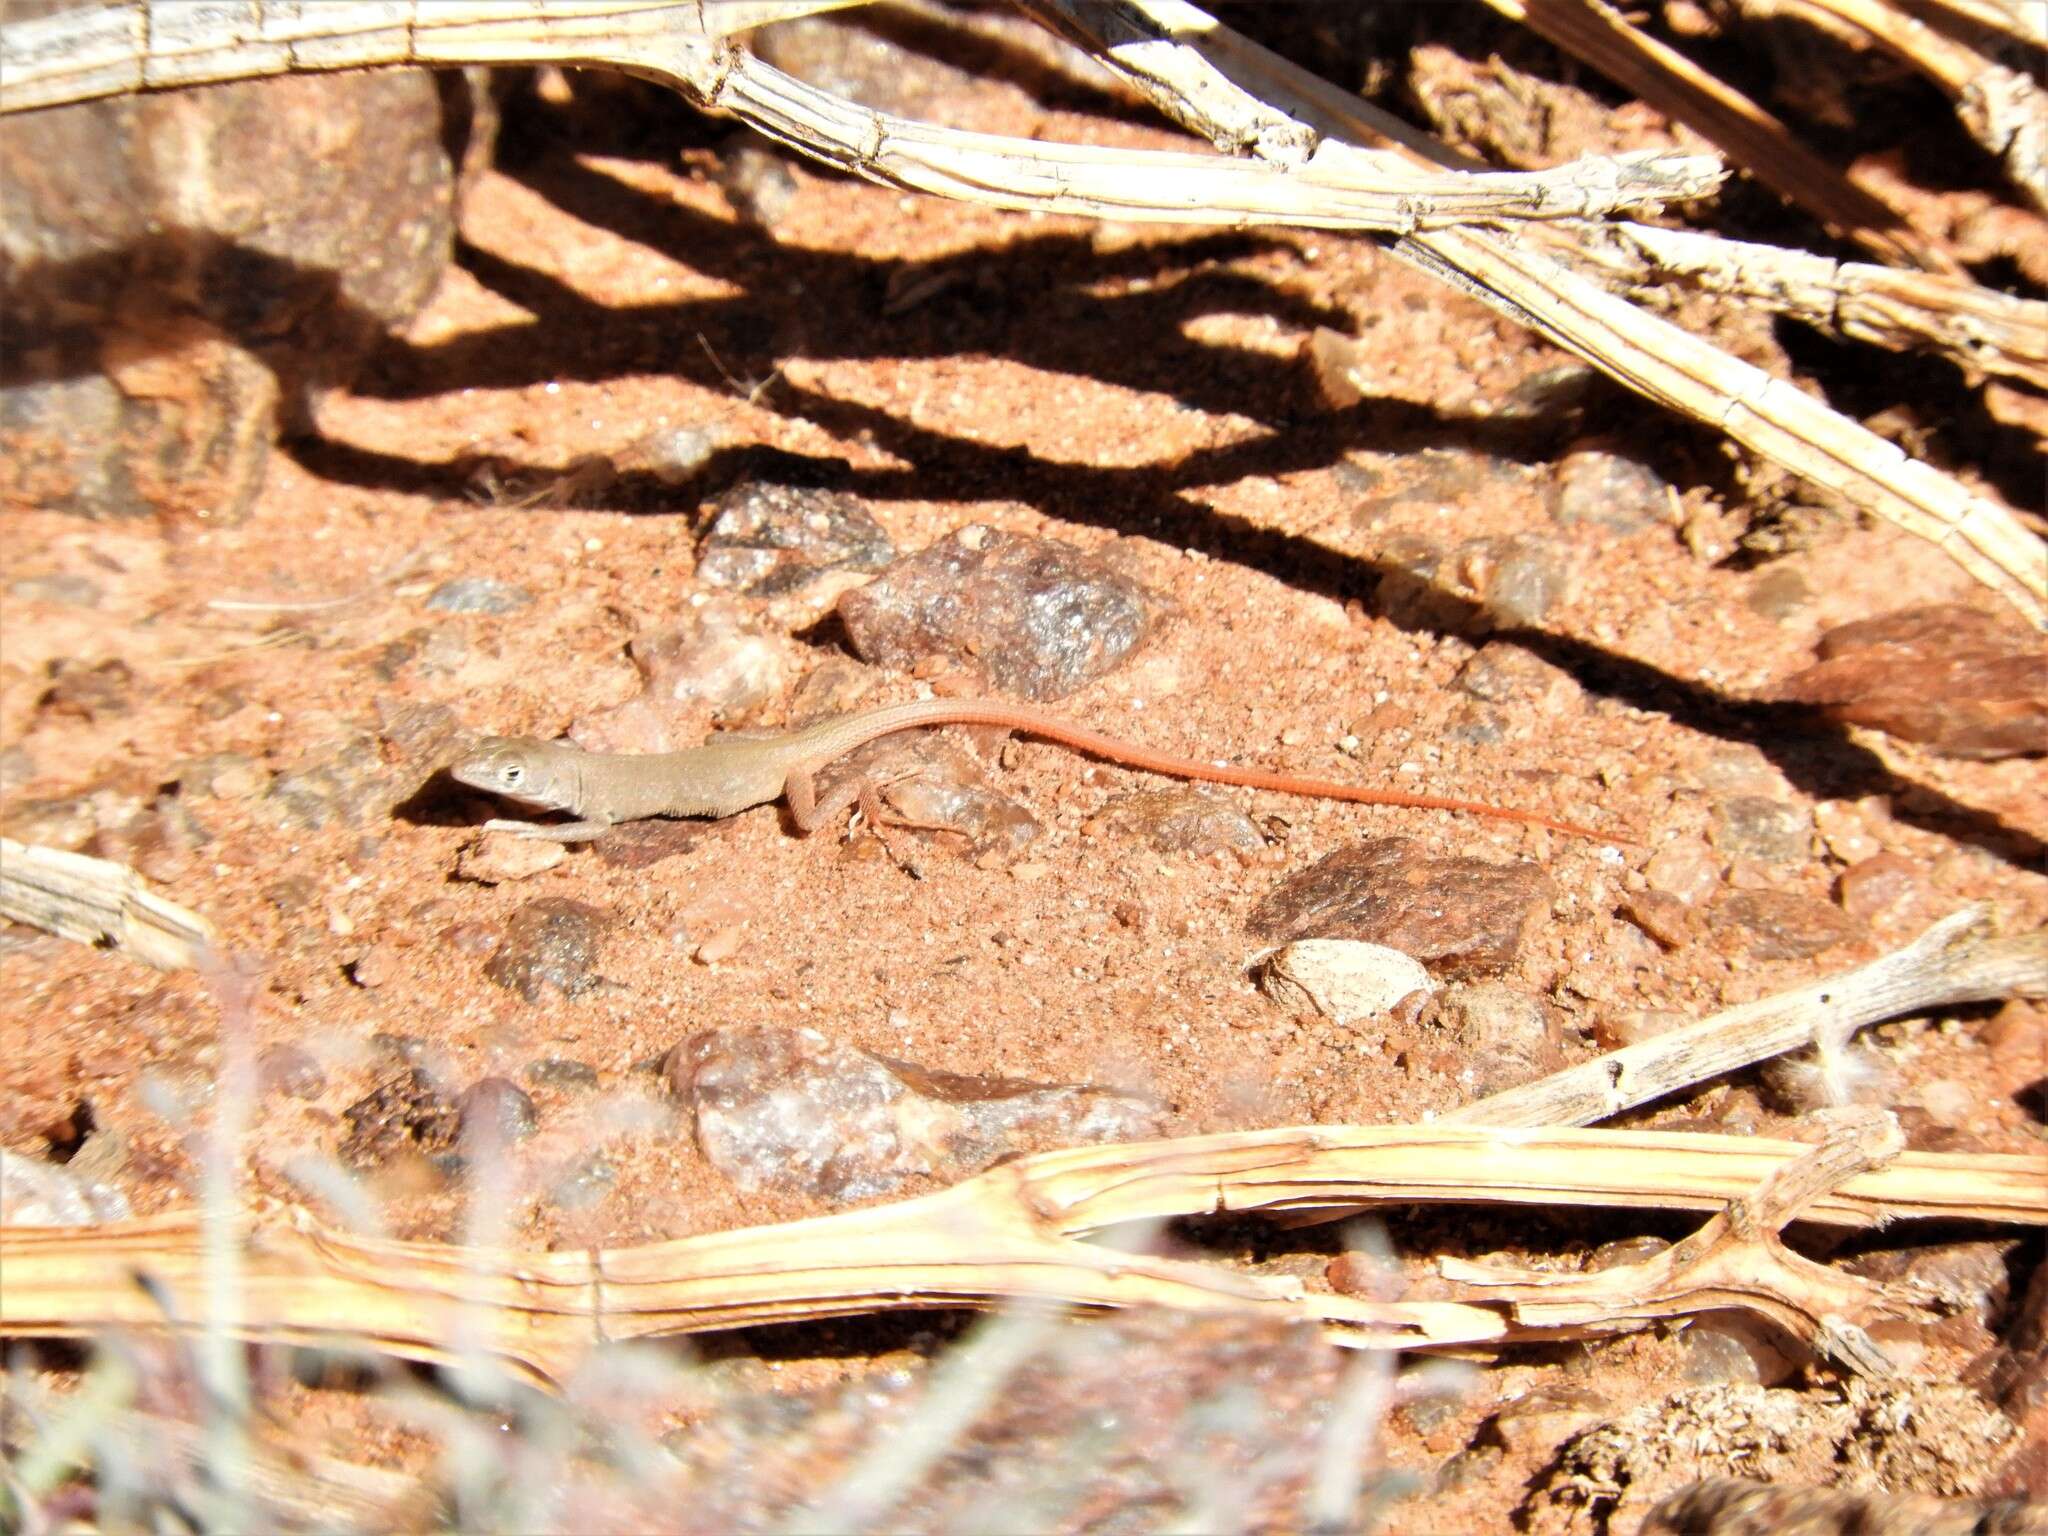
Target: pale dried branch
2003	109
1961	959
96	901
1651	356
153	44
2024	21
1013	1233
1736	1260
1981	329
1599	35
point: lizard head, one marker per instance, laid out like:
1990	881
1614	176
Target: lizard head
522	769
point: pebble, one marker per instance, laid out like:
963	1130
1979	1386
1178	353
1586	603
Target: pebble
549	943
1873	887
80	690
1033	617
1527	576
34	1193
767	539
1760	828
1341	979
791	1110
221	776
374	966
1542	1419
558	1072
472	938
495	1110
66	590
640	844
1959	680
1501	672
292	1070
1686	868
586	1182
1785	925
1597	485
498	858
1663	916
1844	828
934	784
478	594
715	661
405	1115
1458	916
756	177
1187	821
1779	592
1502	1038
1727	1349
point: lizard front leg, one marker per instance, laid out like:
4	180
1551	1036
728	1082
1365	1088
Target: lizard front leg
551	831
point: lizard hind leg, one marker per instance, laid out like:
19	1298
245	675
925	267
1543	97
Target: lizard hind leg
809	811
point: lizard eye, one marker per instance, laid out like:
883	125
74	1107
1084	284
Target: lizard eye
513	773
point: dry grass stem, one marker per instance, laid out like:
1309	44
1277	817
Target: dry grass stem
1013	1233
1735	1260
1600	36
1980	329
2003	109
1768	416
1961	959
1309	166
96	901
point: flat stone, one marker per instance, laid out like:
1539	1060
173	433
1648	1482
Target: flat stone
1597	485
1786	925
498	858
1458	916
1342	979
789	1109
1960	681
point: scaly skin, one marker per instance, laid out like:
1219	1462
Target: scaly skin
730	774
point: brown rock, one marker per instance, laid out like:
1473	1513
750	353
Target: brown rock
1034	617
1184	821
1785	925
404	1116
549	943
1459	917
1871	887
168	258
1661	915
1961	681
766	539
789	1109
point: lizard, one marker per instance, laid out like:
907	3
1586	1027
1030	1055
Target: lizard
735	772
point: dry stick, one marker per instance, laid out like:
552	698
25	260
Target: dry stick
1980	329
153	44
1651	356
1959	960
1600	36
97	901
2025	21
2003	109
1737	1259
78	55
1011	1233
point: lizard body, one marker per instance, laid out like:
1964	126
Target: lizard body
733	773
